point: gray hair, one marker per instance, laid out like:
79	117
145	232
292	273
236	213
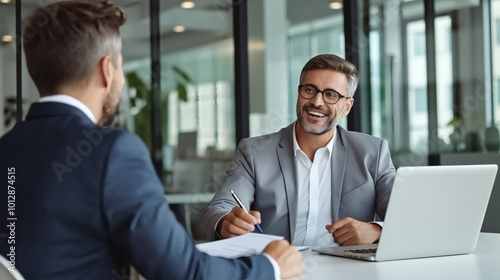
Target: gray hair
335	63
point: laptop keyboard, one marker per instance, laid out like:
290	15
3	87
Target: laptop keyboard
363	251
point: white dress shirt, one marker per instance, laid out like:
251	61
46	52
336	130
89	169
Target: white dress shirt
314	209
66	99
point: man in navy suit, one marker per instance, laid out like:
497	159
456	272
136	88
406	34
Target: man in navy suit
84	200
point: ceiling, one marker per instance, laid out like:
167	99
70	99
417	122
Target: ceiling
208	21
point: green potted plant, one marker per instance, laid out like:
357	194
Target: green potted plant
140	101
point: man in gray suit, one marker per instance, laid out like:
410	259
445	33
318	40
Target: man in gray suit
312	182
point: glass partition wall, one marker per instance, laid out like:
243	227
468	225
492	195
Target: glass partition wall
495	59
399	61
283	36
7	64
9	78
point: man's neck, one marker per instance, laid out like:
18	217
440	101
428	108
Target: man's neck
310	143
89	97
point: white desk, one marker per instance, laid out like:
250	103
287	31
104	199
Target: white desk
188	198
483	264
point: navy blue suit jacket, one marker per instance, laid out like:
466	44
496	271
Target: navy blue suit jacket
89	204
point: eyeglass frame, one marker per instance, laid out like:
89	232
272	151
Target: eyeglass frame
322	93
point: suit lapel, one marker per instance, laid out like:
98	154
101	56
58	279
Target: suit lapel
339	158
287	164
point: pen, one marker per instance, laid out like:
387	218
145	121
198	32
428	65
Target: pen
241	205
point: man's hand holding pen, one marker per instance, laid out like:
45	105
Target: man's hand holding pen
238	222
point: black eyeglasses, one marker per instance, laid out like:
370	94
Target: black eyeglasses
330	96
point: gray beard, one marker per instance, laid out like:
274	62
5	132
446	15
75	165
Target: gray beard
321	130
328	126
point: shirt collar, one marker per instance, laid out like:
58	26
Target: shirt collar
297	148
66	99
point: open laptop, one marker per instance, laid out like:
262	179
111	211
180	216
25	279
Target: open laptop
432	211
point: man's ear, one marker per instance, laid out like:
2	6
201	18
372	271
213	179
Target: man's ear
347	106
107	72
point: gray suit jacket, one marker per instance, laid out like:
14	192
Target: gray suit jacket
264	177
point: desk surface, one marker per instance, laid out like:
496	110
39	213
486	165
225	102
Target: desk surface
483	264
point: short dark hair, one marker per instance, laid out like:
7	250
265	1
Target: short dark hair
335	63
65	41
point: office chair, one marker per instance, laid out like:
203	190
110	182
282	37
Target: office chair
5	273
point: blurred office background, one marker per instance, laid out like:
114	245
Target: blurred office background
203	74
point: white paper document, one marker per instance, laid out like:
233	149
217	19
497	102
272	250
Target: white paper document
243	245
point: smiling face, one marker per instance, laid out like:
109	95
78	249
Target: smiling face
314	115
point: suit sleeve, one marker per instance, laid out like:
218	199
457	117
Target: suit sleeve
145	231
386	174
240	179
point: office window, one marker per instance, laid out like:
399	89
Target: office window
283	36
379	104
8	88
208	112
419	43
497	90
498	31
495	59
420	100
208	109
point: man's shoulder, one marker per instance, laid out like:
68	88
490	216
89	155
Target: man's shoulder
358	137
268	141
264	137
115	138
105	136
117	133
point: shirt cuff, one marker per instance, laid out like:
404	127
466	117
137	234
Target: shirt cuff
217	236
381	224
276	267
